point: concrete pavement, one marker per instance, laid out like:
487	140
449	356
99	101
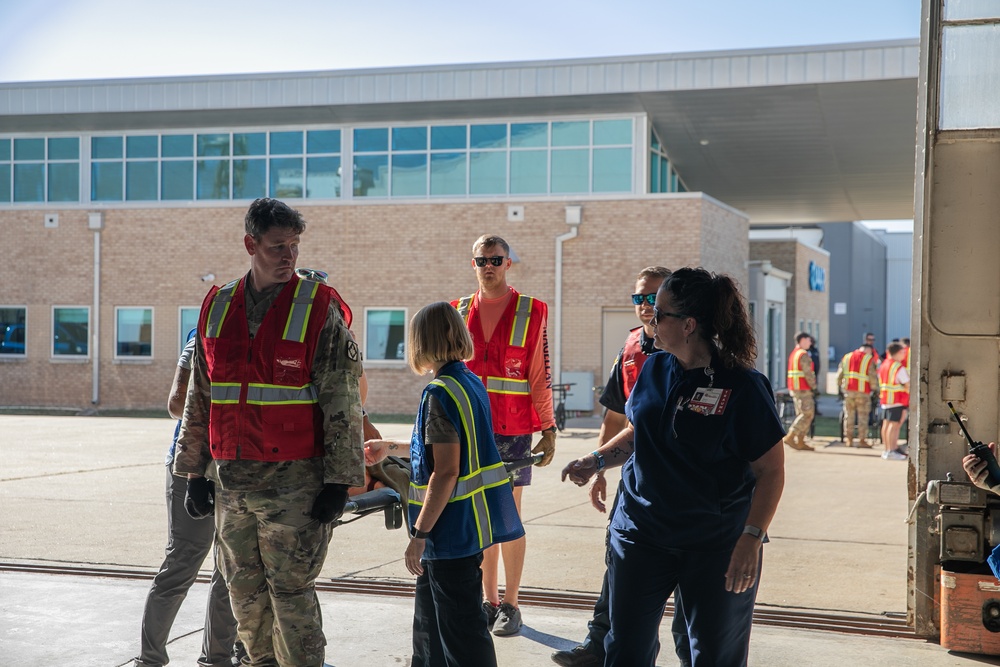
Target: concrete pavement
89	490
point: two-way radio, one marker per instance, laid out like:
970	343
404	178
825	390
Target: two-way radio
982	451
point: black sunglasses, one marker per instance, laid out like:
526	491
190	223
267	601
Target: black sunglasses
657	314
496	260
648	298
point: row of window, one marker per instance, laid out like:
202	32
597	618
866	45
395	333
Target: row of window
456	160
662	175
70	332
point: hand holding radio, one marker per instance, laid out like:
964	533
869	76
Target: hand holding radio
981	463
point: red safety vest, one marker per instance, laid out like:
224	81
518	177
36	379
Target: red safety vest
892	391
632	360
502	362
264	406
856	366
796	371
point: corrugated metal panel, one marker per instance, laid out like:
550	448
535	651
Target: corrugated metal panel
595	76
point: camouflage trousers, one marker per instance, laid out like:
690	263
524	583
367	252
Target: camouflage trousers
270	552
805	410
858	405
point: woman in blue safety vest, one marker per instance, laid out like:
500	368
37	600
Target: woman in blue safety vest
460	499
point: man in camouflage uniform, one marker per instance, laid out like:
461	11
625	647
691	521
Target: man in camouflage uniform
272	430
857	377
801	385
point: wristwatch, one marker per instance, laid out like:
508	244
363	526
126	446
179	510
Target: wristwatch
421	534
600	460
755	531
551	428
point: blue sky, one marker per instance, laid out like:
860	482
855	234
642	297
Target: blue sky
88	39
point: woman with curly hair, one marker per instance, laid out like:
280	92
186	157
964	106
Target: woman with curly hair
703	472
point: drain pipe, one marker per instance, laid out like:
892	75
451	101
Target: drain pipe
95	221
574	216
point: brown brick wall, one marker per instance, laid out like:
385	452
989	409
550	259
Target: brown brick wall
377	254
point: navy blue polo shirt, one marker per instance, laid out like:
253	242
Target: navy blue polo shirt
689	483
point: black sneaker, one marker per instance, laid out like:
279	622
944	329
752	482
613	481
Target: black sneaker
491	613
508	620
578	656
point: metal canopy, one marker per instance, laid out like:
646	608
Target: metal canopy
790	135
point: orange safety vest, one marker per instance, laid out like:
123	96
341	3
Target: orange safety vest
856	366
796	372
892	391
632	360
264	406
502	362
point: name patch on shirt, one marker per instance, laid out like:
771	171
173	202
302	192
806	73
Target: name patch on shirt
709	400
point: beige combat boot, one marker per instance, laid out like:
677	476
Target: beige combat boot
864	444
849	442
801	443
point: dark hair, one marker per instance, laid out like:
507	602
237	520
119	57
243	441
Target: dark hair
800	335
893	348
265	213
653	272
715	302
489	240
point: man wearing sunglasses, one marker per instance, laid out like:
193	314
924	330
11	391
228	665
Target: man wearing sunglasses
272	436
509	333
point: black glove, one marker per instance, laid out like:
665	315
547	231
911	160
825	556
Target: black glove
199	501
330	503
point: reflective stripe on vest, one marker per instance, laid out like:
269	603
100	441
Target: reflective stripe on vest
795	371
522	317
507	386
295	330
219	309
464	308
471	486
890	386
298	316
860	375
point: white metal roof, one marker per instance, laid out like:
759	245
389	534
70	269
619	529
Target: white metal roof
798	134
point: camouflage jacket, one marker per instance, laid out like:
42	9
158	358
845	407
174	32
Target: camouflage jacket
335	372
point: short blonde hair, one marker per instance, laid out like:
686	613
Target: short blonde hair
437	334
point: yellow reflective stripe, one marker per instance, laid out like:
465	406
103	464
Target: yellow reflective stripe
219	309
464	404
464	308
470	487
522	317
226	392
298	315
497	385
276	394
264	394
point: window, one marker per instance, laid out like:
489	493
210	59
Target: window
211	166
70	331
385	334
188	320
133	333
39	169
662	175
12	331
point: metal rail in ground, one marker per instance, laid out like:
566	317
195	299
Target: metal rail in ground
889	625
